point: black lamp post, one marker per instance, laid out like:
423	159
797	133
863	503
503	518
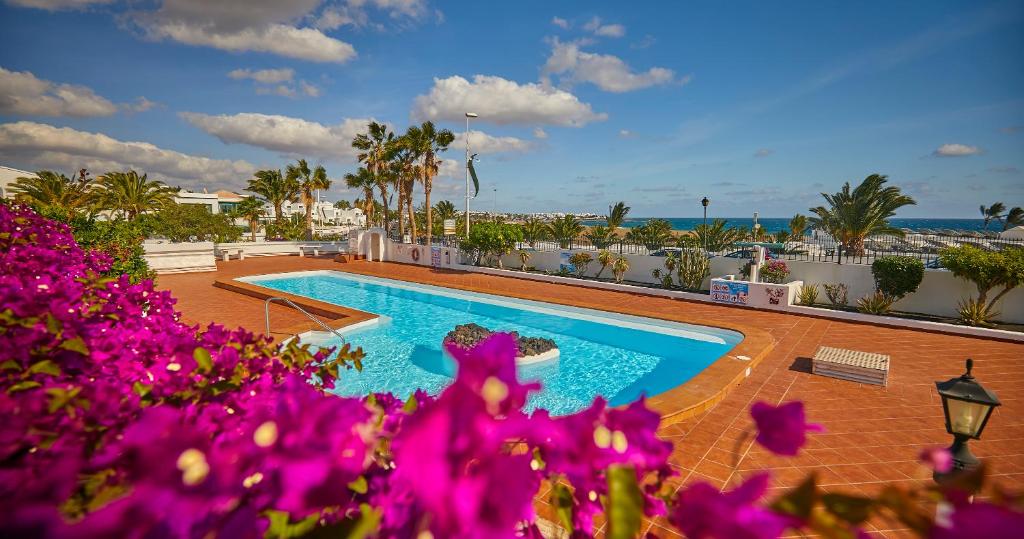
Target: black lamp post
704	202
967	406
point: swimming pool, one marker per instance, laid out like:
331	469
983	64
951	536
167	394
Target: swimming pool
617	356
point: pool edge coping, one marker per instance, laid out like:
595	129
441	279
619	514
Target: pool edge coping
704	390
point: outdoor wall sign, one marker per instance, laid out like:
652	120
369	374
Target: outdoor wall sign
435	257
732	292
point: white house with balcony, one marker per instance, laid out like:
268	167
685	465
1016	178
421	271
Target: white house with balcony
8	176
323	212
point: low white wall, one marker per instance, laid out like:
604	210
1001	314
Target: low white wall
938	294
180	257
407	253
277	248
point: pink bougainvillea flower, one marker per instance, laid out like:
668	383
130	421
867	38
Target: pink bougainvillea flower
782	429
981	519
703	512
938	458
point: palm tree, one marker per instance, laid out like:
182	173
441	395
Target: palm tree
250	209
565	229
376	147
534	230
616	215
275	188
1014	218
992	213
48	188
426	142
853	215
131	194
307	180
343	205
714	237
653	234
406	172
600	236
363	179
797	228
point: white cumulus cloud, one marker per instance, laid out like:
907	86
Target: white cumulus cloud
63	148
245	25
560	22
956	150
283	134
763	152
480	142
540	133
595	26
607	72
265	76
23	93
58	5
502	101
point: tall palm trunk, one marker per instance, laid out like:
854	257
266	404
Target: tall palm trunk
307	201
278	211
252	228
412	216
401	207
429	210
368	205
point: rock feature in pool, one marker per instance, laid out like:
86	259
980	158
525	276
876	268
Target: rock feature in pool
530	349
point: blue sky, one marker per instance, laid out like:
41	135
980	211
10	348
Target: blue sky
759	106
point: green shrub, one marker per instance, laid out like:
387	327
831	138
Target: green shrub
122	240
808	294
897	276
988	270
291	229
492	240
877	303
191	223
580	261
836	293
774	271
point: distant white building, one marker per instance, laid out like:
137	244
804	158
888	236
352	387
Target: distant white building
323	212
204	199
8	176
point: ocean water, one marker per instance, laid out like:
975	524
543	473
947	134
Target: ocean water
616	356
774	224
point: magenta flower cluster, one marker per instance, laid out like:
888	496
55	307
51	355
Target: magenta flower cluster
122	421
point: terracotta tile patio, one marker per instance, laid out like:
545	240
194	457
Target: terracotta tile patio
873	433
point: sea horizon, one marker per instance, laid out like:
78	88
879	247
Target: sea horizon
774	224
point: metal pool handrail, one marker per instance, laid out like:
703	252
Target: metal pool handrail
266	312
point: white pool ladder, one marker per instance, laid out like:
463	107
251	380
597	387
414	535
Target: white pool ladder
290	303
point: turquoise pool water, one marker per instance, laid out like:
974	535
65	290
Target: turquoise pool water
617	356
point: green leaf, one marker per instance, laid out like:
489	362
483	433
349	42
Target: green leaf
60	397
52	324
22	386
561	500
46	367
141	389
852	509
359	486
800	501
411	404
281	526
368	522
75	345
203	359
625	503
10	365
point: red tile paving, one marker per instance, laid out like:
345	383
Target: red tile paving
873	433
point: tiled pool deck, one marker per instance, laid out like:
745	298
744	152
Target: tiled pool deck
873	434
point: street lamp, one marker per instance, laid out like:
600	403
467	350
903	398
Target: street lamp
704	202
967	406
468	116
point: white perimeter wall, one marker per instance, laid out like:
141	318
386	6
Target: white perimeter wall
938	295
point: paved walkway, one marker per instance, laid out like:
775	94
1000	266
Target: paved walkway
873	434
